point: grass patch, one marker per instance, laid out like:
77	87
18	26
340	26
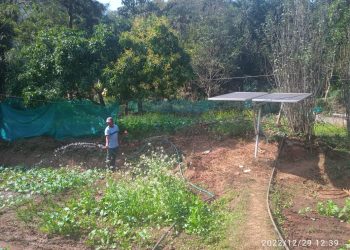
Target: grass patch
227	229
334	136
230	123
345	246
327	129
274	131
139	126
234	211
280	199
224	123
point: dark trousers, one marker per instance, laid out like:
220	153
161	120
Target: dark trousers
111	156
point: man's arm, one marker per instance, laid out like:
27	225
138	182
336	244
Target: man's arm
107	141
118	139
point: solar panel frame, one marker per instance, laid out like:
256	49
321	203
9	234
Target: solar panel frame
262	97
282	97
237	96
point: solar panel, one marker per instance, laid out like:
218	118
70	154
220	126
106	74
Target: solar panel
282	97
261	97
237	96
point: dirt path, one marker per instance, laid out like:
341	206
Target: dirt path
258	230
230	166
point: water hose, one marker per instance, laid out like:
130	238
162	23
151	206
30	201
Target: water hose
281	239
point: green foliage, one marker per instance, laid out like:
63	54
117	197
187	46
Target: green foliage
304	210
153	123
8	17
133	8
225	39
81	13
104	47
272	130
64	63
330	208
280	200
55	65
333	135
152	64
345	246
329	130
223	123
149	197
230	123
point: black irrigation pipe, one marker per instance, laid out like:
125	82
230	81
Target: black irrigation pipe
273	173
211	195
163	236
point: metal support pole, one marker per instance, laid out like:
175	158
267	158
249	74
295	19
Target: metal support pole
257	133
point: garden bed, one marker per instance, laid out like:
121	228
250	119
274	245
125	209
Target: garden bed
221	165
310	191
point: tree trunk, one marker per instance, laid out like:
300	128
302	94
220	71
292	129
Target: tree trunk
278	121
126	110
2	87
100	98
139	106
346	100
70	20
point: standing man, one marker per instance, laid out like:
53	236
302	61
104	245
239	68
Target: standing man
112	143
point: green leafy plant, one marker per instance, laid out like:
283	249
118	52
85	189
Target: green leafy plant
305	210
330	208
345	246
153	123
20	184
280	199
149	196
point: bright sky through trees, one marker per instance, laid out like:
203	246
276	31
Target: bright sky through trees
113	4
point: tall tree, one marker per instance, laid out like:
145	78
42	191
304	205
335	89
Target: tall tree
104	49
82	13
8	16
301	62
133	8
56	65
209	45
339	14
152	64
225	39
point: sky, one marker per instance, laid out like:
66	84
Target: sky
113	4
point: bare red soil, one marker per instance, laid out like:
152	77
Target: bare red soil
313	176
219	166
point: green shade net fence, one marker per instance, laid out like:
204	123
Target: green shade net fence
59	120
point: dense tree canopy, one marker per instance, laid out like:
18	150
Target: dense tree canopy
152	64
176	48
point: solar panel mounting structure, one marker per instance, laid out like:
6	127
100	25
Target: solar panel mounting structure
261	97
